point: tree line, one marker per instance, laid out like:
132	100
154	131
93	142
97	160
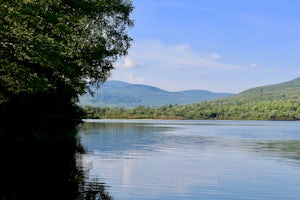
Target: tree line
220	110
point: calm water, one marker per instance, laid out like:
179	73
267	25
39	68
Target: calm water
154	159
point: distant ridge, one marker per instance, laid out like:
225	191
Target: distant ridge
272	102
122	94
289	90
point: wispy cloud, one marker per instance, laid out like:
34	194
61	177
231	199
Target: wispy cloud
214	55
176	67
128	62
224	46
254	65
132	79
156	54
172	66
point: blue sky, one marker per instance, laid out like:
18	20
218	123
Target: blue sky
216	45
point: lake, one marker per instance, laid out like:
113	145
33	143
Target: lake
169	159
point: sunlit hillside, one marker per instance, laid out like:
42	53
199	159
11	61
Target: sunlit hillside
273	102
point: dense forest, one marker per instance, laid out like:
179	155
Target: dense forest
274	102
49	51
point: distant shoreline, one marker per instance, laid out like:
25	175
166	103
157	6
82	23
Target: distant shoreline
174	119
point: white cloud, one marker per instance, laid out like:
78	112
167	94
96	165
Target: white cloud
128	62
253	65
132	79
173	67
214	56
156	54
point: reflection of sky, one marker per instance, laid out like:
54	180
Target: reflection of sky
183	163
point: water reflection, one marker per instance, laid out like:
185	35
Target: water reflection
37	166
123	137
194	160
287	149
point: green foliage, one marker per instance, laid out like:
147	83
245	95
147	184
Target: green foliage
50	49
275	102
49	44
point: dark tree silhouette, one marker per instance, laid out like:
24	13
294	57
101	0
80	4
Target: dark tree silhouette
51	49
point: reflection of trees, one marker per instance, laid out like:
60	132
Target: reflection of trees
94	189
285	149
45	168
120	137
125	136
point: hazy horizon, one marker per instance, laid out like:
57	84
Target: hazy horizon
197	89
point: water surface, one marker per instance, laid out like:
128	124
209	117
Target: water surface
161	159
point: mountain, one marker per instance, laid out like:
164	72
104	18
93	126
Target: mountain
273	102
122	94
289	90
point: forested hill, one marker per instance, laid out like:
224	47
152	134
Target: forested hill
126	95
278	101
289	90
273	102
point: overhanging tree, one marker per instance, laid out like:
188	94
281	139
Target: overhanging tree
50	49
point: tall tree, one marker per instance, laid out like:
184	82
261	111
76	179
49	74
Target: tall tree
50	49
